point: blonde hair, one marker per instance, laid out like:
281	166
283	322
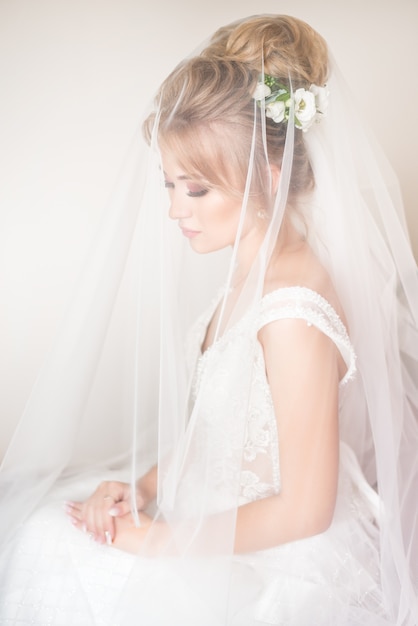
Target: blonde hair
206	109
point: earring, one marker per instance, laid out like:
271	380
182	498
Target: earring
261	214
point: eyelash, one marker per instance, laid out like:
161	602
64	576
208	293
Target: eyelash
191	194
197	194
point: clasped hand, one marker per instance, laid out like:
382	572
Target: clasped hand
106	516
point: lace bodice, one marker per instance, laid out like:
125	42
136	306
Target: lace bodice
233	419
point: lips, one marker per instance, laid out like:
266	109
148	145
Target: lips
189	233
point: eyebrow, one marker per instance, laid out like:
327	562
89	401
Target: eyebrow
182	177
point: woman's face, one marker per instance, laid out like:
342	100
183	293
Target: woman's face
207	217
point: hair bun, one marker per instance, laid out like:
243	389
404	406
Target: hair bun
286	46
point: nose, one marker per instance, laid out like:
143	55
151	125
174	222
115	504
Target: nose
178	208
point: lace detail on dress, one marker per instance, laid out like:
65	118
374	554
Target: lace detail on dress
306	304
242	435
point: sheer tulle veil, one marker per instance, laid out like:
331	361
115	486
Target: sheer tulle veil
114	395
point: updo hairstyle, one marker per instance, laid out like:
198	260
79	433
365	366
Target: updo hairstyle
206	109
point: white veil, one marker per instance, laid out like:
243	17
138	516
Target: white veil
127	326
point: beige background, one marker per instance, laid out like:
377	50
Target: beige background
74	78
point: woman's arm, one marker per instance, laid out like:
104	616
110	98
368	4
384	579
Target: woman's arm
302	366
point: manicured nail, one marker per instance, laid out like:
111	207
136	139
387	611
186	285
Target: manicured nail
108	538
113	512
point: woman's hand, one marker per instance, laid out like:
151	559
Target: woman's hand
128	537
97	515
111	500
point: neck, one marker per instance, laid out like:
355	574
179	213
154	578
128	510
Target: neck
250	245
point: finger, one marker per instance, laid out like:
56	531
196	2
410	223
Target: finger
122	507
104	527
114	490
80	525
119	509
73	509
108	538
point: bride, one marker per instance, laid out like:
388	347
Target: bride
278	445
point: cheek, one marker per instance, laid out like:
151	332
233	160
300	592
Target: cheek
233	219
226	224
227	215
219	218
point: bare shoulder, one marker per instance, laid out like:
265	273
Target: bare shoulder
300	267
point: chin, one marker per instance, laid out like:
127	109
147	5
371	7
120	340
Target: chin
206	248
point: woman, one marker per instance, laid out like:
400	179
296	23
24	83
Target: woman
298	382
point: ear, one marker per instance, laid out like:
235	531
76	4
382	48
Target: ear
275	178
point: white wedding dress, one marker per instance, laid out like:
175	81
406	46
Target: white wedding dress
55	575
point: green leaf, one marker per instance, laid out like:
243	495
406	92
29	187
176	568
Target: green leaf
281	86
283	97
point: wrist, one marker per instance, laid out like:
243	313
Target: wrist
146	487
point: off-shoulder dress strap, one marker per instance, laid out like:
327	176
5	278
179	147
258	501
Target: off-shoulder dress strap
306	304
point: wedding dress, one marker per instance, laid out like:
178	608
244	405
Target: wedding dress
55	574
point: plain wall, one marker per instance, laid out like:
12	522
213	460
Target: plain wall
74	78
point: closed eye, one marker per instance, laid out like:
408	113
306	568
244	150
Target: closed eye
197	193
193	190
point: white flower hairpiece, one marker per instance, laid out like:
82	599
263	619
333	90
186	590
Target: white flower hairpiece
309	104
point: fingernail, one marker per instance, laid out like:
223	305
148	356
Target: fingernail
113	512
108	538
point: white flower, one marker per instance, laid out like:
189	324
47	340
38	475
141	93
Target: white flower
305	108
261	91
321	98
308	104
276	110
